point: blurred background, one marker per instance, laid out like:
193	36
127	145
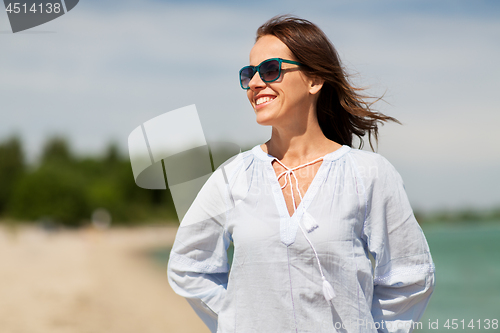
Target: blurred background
73	89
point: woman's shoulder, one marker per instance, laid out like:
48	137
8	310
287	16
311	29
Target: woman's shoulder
368	158
237	163
215	194
231	171
371	165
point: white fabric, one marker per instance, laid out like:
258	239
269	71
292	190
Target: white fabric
288	178
358	201
307	219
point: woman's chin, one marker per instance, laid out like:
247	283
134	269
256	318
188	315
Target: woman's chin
264	121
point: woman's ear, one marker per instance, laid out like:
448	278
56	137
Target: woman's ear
315	85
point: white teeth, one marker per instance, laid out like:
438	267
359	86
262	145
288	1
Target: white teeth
263	100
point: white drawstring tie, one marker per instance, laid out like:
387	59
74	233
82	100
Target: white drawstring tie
308	221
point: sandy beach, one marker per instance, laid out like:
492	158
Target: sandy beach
88	281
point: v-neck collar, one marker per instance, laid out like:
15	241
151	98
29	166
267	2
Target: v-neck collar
334	155
289	224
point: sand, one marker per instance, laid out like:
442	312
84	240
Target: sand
88	281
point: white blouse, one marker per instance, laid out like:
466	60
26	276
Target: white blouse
355	205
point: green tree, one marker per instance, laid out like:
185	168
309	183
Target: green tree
52	192
56	150
12	167
55	190
112	155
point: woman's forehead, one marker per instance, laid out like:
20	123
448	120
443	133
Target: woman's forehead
269	47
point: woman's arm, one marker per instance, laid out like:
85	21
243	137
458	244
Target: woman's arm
198	267
404	270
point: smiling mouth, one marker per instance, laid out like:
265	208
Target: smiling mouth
264	99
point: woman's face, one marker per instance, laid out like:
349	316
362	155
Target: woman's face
284	102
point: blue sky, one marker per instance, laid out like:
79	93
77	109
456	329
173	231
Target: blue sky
104	68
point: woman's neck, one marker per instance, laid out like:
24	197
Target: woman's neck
294	148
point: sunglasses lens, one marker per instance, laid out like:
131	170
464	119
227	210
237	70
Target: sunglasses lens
246	75
270	70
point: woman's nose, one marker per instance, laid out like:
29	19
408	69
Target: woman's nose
256	82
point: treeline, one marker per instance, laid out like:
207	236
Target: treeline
63	189
466	215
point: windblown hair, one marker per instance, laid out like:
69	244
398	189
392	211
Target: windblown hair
342	110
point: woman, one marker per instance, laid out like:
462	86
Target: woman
304	210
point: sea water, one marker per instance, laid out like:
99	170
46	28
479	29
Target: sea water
467	259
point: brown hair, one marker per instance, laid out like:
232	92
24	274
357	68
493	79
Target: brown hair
341	110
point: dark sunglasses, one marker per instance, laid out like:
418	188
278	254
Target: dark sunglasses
269	71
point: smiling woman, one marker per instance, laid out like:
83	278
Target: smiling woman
304	210
283	100
341	110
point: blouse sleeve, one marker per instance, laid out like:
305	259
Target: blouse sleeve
198	266
404	270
